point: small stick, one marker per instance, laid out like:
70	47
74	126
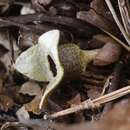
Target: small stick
118	40
9	22
114	84
91	104
73	24
106	85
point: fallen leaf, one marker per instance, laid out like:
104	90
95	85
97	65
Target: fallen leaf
22	114
5	103
103	10
26	39
33	106
97	20
5	39
94	92
30	88
33	124
7	61
4	5
76	100
27	9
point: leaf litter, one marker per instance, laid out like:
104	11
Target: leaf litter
32	83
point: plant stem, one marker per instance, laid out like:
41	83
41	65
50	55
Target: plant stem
89	55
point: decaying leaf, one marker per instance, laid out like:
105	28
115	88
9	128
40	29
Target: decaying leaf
33	106
26	124
34	62
103	10
5	39
96	20
75	100
26	39
27	9
5	103
22	114
7	48
4	5
39	5
30	88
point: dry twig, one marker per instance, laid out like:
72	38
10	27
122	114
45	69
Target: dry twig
91	104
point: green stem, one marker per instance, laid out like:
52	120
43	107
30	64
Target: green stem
89	55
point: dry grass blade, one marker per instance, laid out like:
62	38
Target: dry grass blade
116	39
108	2
91	104
125	14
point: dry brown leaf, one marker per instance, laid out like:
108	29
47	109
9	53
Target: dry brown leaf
30	88
5	38
39	4
93	92
27	9
75	100
103	10
5	103
97	20
27	39
4	5
33	106
7	61
22	114
117	118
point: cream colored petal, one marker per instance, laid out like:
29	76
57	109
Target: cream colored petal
34	61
